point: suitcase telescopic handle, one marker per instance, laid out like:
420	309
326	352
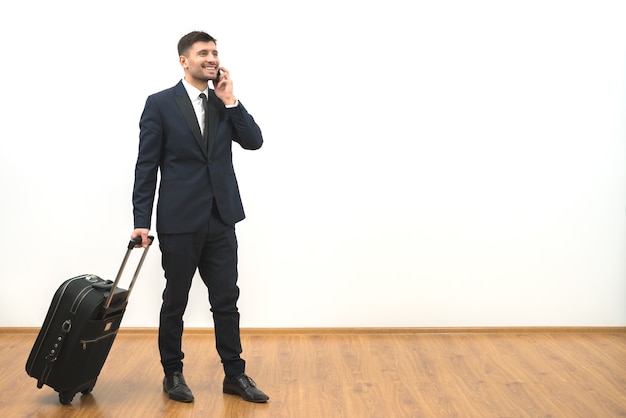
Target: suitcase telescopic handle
137	241
133	242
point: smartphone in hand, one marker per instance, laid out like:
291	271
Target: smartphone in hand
217	77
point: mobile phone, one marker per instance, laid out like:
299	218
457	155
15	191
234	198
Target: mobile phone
217	77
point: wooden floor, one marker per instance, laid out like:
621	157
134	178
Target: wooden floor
328	374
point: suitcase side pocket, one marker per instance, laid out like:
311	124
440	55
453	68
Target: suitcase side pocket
93	348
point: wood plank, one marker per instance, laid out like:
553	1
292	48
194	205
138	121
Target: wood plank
370	374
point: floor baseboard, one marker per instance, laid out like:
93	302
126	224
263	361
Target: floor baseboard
362	330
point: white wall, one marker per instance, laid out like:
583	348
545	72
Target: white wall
449	163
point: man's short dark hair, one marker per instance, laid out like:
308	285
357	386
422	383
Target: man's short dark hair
191	38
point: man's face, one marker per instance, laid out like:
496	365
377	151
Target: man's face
201	61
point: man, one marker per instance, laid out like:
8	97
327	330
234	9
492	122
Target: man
189	138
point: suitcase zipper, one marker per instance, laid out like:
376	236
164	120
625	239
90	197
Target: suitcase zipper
79	299
102	337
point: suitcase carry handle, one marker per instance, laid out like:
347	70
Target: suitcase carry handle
131	245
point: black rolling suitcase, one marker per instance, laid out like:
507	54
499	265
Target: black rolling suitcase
78	332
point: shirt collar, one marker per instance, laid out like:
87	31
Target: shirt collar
194	92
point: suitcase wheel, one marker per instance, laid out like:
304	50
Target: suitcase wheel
66	397
88	389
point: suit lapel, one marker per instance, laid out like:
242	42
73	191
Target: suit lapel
182	99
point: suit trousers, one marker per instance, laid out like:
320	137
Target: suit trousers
213	253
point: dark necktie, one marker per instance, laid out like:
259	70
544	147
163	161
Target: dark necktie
205	106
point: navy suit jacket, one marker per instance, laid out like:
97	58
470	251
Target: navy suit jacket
194	174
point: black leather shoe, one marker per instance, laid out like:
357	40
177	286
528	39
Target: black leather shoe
245	387
176	387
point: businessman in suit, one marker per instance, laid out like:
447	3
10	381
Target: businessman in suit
188	138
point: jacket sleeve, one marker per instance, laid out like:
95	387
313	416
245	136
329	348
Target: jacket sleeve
247	132
148	159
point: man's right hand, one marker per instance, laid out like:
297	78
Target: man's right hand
143	233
